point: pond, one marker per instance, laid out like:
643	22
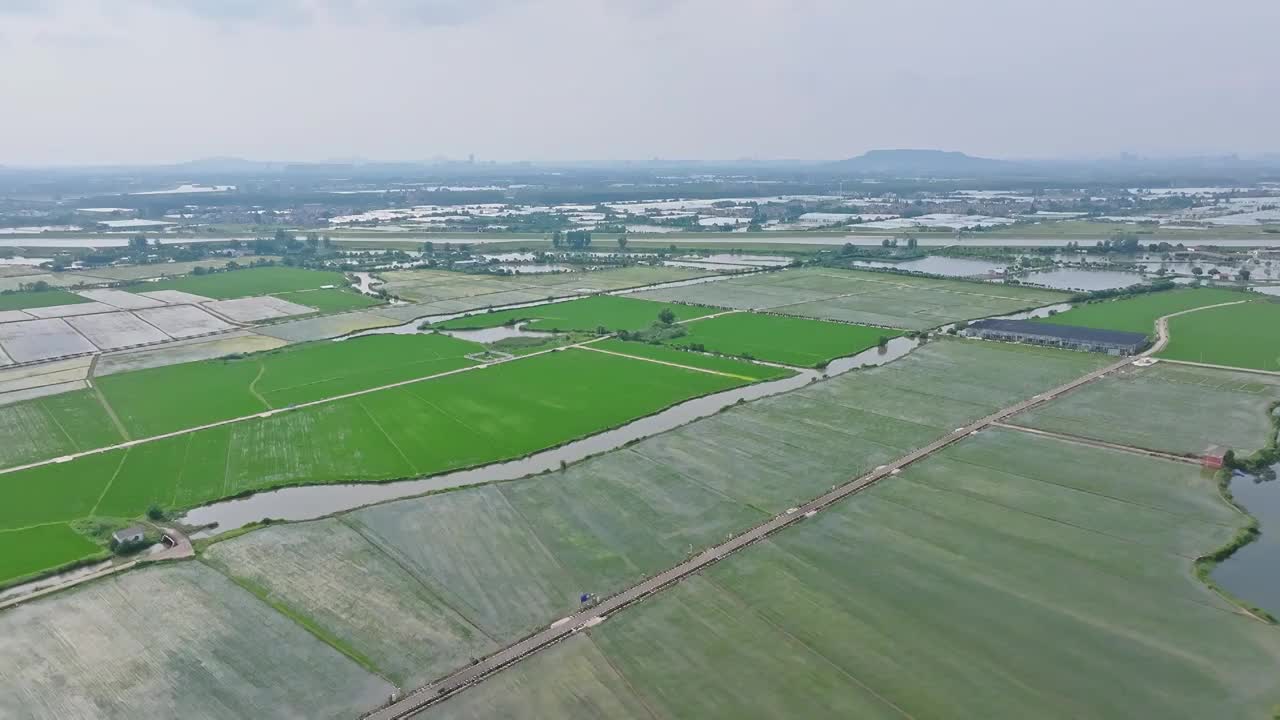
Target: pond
315	501
938	265
486	336
1253	572
534	268
1085	280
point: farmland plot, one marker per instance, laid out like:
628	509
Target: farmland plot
860	297
1008	576
587	314
43	298
696	652
256	309
53	426
473	550
424	428
114	330
322	328
569	681
177	641
788	340
36	549
1167	407
120	299
358	595
183	321
431	286
249	282
662	353
159	400
34	340
1139	313
1245	336
1062	598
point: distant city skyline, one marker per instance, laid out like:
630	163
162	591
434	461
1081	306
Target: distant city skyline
164	81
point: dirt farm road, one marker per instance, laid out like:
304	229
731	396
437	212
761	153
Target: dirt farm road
460	680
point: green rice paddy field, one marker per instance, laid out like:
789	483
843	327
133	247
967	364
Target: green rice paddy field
248	282
788	340
868	298
473	418
330	299
1245	336
177	397
1139	313
1008	577
588	314
36	299
1175	408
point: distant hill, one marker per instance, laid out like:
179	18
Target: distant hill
933	163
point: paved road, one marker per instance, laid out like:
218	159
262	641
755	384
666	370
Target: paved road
460	680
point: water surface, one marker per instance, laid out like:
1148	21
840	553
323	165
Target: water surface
1072	279
1253	572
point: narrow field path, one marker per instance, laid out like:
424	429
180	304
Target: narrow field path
464	678
1080	440
102	399
669	364
253	386
1211	366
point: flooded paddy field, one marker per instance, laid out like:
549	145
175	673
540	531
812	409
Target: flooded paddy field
177	641
884	299
1173	408
1077	559
328	326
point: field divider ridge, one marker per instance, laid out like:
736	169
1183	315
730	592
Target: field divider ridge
669	364
1103	444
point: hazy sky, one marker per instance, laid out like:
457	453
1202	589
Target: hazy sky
164	80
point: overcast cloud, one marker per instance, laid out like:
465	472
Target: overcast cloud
166	80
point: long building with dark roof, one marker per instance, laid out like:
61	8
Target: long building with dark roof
1070	337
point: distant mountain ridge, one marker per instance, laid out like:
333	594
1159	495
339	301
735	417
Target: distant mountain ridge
921	162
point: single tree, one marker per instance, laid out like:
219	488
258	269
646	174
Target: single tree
667	317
